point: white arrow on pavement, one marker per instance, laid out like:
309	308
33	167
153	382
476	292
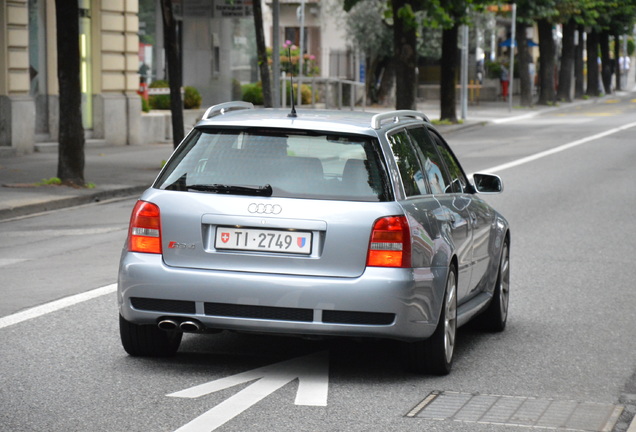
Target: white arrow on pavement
312	372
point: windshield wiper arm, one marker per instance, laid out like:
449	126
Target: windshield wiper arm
234	190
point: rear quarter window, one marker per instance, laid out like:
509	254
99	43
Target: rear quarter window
408	164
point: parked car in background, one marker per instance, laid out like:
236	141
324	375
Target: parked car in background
320	224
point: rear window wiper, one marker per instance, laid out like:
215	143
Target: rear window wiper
234	190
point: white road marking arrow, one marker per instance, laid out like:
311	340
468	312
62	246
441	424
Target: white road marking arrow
312	372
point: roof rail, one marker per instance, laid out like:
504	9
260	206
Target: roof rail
377	120
222	108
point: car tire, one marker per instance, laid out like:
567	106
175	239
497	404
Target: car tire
495	317
435	354
148	340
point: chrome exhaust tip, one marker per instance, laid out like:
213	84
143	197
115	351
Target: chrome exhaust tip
168	324
191	326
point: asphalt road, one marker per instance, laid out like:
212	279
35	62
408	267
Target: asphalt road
569	342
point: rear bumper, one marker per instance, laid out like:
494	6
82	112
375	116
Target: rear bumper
402	304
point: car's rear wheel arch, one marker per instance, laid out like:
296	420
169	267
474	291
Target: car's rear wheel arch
496	314
435	354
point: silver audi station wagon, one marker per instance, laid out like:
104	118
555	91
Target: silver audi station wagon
314	224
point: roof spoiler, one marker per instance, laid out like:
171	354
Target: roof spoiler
223	108
395	116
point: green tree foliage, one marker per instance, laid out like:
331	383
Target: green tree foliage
599	18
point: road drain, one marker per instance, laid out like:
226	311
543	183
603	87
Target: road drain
517	411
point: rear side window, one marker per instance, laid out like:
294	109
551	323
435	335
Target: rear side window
459	183
438	178
408	165
297	165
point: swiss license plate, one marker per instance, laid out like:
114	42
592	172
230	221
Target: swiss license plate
250	239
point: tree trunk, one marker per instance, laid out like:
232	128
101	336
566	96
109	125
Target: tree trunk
379	79
566	72
617	55
173	58
386	77
448	79
592	64
371	63
579	82
606	61
525	85
70	165
404	44
261	54
546	63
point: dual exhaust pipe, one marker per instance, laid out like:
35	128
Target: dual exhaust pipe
188	326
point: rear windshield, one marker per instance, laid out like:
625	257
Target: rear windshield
293	164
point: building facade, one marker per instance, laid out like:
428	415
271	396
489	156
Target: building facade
218	53
29	108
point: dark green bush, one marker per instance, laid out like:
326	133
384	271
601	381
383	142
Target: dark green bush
145	106
305	91
253	93
237	92
161	102
493	70
191	98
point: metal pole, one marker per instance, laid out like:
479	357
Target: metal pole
513	45
276	52
283	78
302	50
464	73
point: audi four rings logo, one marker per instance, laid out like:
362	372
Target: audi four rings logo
264	208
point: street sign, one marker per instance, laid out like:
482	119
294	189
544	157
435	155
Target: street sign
312	372
233	8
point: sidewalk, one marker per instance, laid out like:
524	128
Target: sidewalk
115	172
129	170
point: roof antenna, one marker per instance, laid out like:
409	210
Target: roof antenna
292	114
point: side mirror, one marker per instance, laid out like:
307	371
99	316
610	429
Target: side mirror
487	183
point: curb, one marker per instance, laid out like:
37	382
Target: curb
56	204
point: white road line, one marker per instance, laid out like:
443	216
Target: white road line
56	305
559	149
48	233
11	261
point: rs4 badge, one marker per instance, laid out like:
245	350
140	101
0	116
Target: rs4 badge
177	245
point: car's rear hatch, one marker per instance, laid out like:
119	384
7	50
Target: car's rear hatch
273	201
269	235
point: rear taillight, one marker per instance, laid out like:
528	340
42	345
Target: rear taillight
144	234
390	244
